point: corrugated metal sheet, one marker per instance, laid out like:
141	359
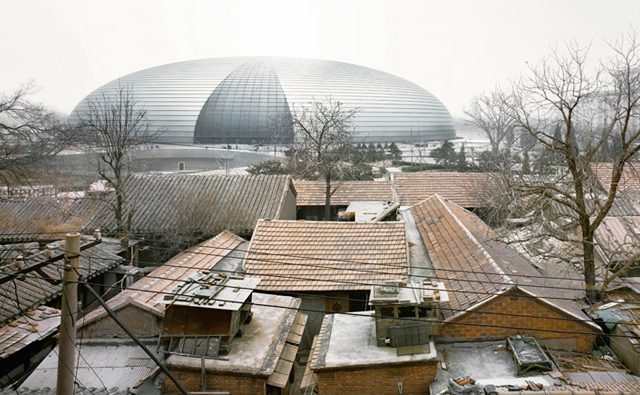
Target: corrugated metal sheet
101	365
181	202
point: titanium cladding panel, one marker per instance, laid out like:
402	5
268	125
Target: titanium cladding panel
239	100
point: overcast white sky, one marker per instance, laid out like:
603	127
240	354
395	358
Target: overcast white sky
454	49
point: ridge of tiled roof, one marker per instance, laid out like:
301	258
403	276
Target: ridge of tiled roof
326	256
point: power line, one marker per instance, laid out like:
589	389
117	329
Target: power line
360	271
347	299
401	318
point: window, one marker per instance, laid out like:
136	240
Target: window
386	312
407	311
424	312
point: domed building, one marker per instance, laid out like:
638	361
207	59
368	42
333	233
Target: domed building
239	100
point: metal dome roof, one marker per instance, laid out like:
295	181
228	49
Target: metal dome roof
235	100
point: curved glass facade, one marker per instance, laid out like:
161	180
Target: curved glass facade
236	100
246	107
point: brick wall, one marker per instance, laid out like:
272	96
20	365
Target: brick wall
140	322
236	385
516	302
382	380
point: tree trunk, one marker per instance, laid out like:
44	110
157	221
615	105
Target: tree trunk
589	267
327	198
119	209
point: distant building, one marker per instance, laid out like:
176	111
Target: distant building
237	100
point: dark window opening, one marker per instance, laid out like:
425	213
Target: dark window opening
407	311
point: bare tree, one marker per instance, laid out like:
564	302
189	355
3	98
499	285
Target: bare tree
29	133
115	125
322	147
492	114
562	105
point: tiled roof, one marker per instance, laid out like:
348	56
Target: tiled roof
312	193
38	287
464	189
455	253
618	238
163	203
35	325
474	265
604	381
326	256
40	218
630	175
149	291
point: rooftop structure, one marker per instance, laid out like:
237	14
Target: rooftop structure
41	286
236	100
465	189
206	313
184	203
620	313
326	256
25	341
490	367
407	314
349	340
262	357
483	277
312	193
345	357
369	212
142	305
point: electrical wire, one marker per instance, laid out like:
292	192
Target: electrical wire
412	319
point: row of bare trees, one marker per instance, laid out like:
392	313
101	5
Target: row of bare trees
571	108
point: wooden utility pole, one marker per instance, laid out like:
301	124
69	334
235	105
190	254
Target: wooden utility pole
67	346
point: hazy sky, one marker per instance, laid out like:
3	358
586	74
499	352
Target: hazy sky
454	49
